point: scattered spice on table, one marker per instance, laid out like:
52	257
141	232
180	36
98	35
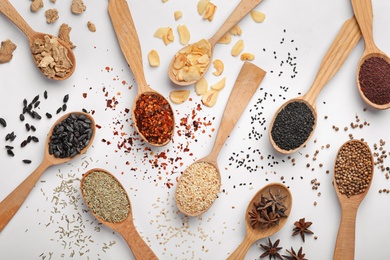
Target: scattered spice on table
293	125
105	196
302	228
353	168
374	80
271	250
198	187
295	256
154	118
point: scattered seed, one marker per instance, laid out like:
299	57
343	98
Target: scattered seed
26	161
66	98
3	122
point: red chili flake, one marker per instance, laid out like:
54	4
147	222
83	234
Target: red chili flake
98	126
154	118
85	95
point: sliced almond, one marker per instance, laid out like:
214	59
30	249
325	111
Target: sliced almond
210	11
238	48
219	67
179	96
178	15
184	34
154	58
202	6
236	30
210	98
160	32
226	39
219	85
257	16
247	56
201	86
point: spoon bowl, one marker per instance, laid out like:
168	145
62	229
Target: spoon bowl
126	227
254	234
364	16
338	52
345	242
248	80
126	33
12	14
242	9
11	204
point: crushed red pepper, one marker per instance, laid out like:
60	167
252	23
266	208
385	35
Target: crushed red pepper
154	118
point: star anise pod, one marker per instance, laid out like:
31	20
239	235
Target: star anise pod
294	256
271	250
301	227
255	218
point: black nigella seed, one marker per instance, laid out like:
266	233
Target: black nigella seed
21	117
45	94
59	110
26	161
10	152
64	107
66	98
3	122
33	128
48	115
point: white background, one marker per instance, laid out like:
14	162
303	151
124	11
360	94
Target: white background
34	232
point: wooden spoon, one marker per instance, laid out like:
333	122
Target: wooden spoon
254	234
245	86
242	9
10	12
11	204
125	228
338	52
126	33
364	17
345	242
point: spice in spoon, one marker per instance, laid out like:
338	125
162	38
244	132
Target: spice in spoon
105	196
198	187
353	168
374	80
293	125
154	118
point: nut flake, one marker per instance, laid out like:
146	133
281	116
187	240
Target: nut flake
178	15
201	86
236	30
184	34
201	7
36	5
238	48
63	34
91	26
165	33
77	7
219	67
210	11
226	39
191	62
153	58
257	16
51	15
210	98
6	50
219	85
247	56
179	96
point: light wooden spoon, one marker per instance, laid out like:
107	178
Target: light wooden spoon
11	204
245	86
338	52
126	33
10	12
242	9
254	234
345	242
364	17
125	228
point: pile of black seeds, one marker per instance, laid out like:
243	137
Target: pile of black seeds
70	136
292	125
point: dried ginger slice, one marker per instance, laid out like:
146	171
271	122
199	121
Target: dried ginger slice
6	51
77	7
64	34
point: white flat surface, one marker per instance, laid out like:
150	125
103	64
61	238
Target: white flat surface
50	228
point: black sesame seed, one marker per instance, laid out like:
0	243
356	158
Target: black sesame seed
48	115
35	99
27	126
8	147
45	94
34	139
21	117
10	152
59	110
37	104
3	122
33	128
23	144
66	98
64	107
26	161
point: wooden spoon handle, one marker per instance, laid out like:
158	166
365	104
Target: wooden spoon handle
345	242
12	14
338	52
11	204
242	9
243	248
364	16
245	86
137	245
126	33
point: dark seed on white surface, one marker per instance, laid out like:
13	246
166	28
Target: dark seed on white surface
26	161
3	122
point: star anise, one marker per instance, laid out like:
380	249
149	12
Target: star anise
301	227
294	256
255	218
271	250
